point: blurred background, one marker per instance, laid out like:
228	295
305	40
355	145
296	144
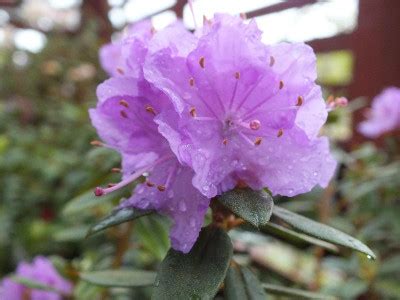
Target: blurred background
49	72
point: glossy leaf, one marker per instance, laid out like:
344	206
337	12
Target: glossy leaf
254	289
117	217
321	231
253	206
294	293
197	274
120	278
295	237
234	285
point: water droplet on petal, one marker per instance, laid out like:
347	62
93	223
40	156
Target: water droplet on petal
182	206
369	257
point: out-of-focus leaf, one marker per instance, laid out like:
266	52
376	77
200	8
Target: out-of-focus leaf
390	288
197	274
290	235
234	284
295	293
32	284
120	278
253	206
71	234
390	265
321	231
254	289
117	217
152	233
88	200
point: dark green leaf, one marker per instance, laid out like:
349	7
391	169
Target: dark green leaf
234	284
295	237
253	206
120	278
254	289
117	217
321	231
294	293
197	274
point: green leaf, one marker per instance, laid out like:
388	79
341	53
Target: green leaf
70	234
253	206
294	293
254	289
295	237
234	284
120	278
197	274
321	231
88	200
117	217
32	284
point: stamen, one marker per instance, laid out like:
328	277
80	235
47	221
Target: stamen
161	188
258	141
97	143
281	84
111	185
202	62
120	71
99	191
255	125
243	16
206	21
225	141
237	75
192	112
124	103
116	170
271	61
300	101
123	114
149	183
246	138
191	81
280	133
150	109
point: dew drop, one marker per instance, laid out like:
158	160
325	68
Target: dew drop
369	257
182	206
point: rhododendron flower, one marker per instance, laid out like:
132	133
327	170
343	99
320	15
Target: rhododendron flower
248	112
128	52
384	115
42	271
124	120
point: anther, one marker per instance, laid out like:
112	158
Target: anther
255	125
202	62
191	81
116	170
258	141
161	188
98	191
280	133
243	16
281	84
237	75
123	114
271	61
206	21
300	101
225	141
192	112
124	103
149	184
96	143
120	71
150	109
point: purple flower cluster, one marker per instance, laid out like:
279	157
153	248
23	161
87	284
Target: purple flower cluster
198	113
384	115
42	271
